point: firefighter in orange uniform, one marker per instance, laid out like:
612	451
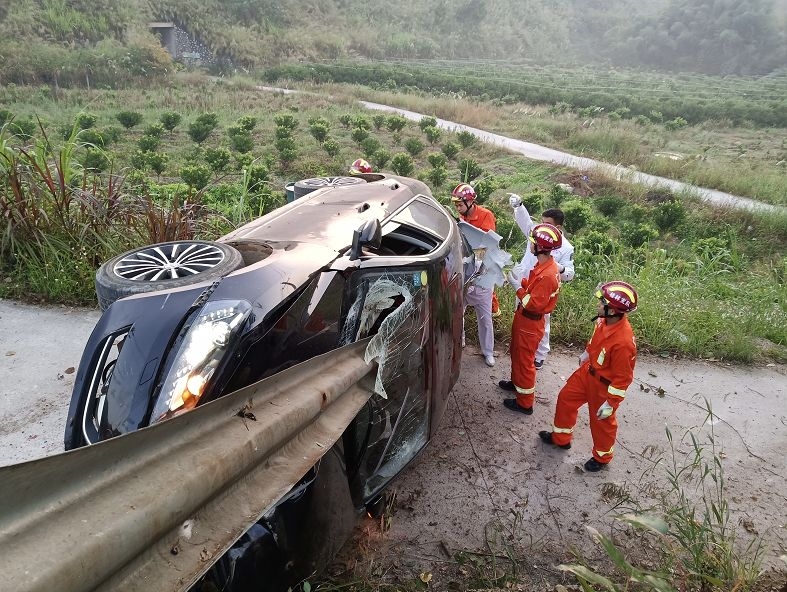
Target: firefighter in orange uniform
481	299
478	216
606	369
465	200
538	296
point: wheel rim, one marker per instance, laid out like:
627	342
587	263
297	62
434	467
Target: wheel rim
330	181
168	262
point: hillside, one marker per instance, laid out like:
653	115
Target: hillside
109	39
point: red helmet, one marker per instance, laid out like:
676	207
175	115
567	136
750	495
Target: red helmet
464	192
360	166
546	237
620	296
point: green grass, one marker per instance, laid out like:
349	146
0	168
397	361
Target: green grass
683	310
744	159
711	281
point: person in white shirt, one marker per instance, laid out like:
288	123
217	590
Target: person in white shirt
564	256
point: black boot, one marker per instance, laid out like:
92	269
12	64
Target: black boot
546	437
514	406
594	466
506	385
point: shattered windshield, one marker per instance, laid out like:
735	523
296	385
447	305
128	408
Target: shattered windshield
392	306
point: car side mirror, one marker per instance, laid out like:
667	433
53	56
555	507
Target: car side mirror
370	234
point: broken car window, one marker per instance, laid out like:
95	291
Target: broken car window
392	306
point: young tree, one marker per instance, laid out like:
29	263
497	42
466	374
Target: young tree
170	120
402	164
218	159
432	134
414	146
129	119
201	128
319	131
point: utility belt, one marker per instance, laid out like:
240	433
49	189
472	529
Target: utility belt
603	380
532	315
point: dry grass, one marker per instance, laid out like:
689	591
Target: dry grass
745	161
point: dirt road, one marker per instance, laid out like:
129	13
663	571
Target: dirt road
486	483
40	349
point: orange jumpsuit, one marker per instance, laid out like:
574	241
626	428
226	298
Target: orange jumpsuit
484	219
605	376
539	297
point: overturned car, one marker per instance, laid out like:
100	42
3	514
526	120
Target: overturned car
190	321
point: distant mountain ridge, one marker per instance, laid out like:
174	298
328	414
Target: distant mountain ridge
711	36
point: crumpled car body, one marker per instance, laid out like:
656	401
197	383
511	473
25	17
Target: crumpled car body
489	258
377	259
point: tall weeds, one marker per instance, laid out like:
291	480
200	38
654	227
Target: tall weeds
704	540
699	544
60	222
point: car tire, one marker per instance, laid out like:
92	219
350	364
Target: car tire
306	186
144	269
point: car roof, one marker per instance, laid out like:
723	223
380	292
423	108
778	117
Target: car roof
329	216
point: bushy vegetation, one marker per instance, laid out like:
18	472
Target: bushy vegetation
107	42
589	91
698	269
716	37
110	65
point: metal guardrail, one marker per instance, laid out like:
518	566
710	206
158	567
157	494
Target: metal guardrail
152	510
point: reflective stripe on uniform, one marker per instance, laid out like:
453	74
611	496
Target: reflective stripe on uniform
525	391
558	430
601	356
605	452
617	392
525	300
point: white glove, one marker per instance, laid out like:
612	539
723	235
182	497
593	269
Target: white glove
514	200
584	357
512	280
605	410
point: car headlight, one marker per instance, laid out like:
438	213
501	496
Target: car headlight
206	341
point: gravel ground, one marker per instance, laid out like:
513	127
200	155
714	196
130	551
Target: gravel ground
486	485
